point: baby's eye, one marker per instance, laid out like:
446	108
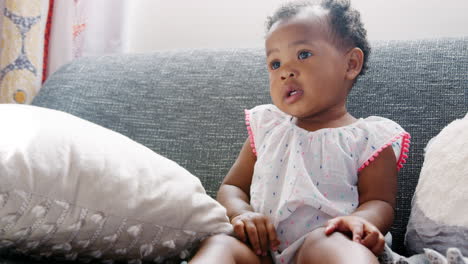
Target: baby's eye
304	55
275	65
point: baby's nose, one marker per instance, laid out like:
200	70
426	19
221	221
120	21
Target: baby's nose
288	74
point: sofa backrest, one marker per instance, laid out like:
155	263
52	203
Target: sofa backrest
188	104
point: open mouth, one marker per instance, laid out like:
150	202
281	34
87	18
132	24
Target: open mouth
293	92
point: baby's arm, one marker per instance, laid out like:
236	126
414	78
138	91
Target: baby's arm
234	195
377	194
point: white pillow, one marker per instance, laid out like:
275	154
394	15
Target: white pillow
73	189
439	211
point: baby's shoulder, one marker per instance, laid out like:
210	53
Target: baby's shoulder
376	124
265	113
378	132
268	108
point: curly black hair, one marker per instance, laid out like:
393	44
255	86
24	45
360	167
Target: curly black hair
345	23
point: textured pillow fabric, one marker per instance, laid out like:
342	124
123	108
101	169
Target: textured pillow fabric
439	214
72	189
430	256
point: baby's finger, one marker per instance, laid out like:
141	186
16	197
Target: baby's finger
253	237
262	237
331	226
358	231
370	240
379	246
274	242
239	230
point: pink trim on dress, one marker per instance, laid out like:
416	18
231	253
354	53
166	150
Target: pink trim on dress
249	129
405	141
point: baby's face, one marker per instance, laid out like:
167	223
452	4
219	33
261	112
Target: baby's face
306	70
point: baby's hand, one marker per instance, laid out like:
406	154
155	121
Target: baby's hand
259	231
363	231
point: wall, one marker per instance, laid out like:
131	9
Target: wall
159	24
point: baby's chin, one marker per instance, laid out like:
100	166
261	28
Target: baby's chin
294	110
300	109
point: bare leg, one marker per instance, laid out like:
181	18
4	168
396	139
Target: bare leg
336	248
227	250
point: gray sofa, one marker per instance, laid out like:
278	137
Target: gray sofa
188	104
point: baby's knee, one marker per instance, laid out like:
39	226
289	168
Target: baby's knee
220	240
334	248
214	248
316	238
228	248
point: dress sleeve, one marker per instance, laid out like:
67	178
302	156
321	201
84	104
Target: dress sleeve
259	121
383	133
249	130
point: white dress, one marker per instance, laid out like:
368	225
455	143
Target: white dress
302	179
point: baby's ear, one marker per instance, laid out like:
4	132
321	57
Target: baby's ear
355	59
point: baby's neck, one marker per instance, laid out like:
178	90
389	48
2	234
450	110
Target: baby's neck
333	120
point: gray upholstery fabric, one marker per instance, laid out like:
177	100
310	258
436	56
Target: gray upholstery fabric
188	104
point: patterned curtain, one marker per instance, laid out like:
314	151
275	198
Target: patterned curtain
21	49
86	28
40	36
